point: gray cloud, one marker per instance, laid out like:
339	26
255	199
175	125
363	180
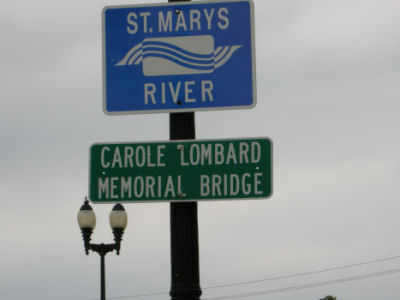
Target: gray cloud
327	75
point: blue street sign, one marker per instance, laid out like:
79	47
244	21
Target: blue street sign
181	56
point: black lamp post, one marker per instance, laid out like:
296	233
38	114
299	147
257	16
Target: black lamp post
87	222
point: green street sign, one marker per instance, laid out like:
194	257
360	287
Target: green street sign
186	170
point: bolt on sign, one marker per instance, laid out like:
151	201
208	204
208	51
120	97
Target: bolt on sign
181	56
188	170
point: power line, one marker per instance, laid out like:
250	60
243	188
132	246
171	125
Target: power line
138	296
305	286
270	278
305	273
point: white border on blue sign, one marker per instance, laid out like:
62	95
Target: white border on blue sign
171	110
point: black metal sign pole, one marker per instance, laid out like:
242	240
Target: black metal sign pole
185	277
185	274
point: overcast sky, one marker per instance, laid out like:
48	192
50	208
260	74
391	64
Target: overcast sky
328	96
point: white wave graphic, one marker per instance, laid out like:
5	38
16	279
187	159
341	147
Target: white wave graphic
178	59
220	60
178	55
178	52
131	56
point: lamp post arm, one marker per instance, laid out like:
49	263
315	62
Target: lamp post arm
102	249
